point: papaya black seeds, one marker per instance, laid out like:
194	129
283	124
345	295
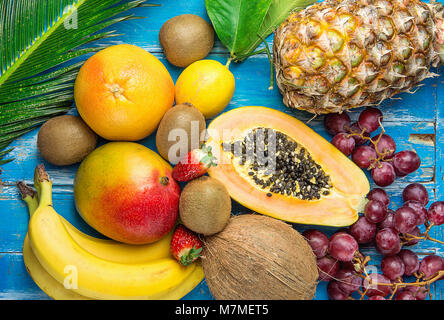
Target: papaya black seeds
279	165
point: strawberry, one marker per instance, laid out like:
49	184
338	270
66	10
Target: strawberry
194	164
186	246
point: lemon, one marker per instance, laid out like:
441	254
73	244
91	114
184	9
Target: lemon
206	84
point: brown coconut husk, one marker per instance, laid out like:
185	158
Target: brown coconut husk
259	258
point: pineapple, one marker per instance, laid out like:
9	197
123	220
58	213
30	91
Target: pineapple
337	55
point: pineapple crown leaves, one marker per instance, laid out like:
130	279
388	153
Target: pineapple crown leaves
189	257
39	39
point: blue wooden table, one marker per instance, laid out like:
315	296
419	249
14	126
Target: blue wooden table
416	122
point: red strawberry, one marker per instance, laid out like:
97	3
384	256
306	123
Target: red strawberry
194	164
186	246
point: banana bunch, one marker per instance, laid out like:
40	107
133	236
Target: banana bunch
70	265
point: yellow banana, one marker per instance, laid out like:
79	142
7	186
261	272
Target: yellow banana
115	250
187	285
57	291
43	279
93	277
119	252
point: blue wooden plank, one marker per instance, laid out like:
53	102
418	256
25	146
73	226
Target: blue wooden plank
407	120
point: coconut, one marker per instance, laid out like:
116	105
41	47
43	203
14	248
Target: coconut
259	258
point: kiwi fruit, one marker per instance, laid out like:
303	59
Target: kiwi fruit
205	206
65	140
186	39
186	125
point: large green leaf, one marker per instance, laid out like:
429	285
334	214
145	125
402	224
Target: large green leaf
237	22
242	25
37	37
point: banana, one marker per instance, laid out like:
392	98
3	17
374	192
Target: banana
57	291
97	278
187	285
119	252
115	251
43	279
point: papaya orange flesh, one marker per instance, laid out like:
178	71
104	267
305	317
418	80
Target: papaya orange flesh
347	186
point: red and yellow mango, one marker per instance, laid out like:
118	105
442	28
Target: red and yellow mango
126	192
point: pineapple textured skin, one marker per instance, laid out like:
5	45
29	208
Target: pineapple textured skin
341	54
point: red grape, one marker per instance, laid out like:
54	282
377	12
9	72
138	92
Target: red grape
436	213
388	242
363	230
380	195
417	233
384	174
364	156
430	265
356	130
405	219
350	265
348	280
416	191
370	119
420	293
375	211
406	162
420	210
373	287
344	143
392	267
377	298
404	295
334	292
318	242
386	145
342	246
410	260
335	123
327	267
388	221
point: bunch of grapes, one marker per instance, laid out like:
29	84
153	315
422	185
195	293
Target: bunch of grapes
377	153
344	267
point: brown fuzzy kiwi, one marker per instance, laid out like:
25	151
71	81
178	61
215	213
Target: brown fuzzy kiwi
205	206
186	119
65	140
186	39
259	258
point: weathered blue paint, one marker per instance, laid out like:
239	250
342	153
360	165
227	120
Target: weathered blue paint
417	114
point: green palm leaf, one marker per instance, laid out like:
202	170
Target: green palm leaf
37	39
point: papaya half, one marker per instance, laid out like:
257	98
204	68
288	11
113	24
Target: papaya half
274	164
